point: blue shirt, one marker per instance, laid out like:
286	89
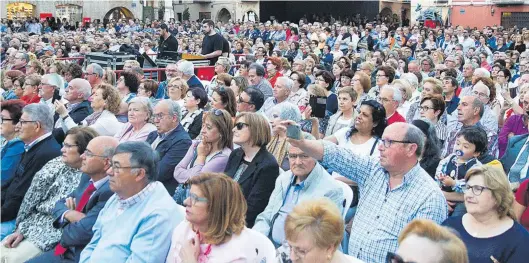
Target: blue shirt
137	229
383	212
290	201
11	154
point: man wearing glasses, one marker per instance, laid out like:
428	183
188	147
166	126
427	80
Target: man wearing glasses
171	71
35	126
395	189
21	60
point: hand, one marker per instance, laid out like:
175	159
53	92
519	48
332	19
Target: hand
510	135
60	109
494	260
190	250
450	206
204	149
74	216
70	203
13	240
307	112
447	180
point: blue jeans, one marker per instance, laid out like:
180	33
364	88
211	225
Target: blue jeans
7	228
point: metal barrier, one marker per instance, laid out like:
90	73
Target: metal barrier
78	59
203	72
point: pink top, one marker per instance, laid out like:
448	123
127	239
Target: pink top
126	134
249	246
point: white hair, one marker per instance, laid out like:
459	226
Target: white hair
412	79
288	82
481	72
186	67
397	95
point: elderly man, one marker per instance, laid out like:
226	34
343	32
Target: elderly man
489	118
390	97
171	71
306	180
170	140
281	91
470	111
78	107
21	60
49	89
393	190
468	72
187	70
77	213
137	222
478	73
35	128
450	63
256	73
94	75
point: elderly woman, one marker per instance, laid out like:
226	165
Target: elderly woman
12	146
278	146
31	89
51	89
346	114
431	87
105	103
298	93
209	154
58	178
313	231
127	86
361	84
139	126
214	229
177	90
224	99
18	86
195	101
8	82
251	165
423	240
489	228
273	70
405	88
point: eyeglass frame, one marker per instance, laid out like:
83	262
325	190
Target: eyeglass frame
299	253
194	198
479	188
385	142
90	154
425	108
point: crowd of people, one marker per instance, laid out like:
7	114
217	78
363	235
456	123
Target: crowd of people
313	142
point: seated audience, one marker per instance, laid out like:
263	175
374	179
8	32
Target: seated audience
515	161
170	141
489	228
281	91
306	180
432	108
12	146
193	112
139	125
256	77
34	233
209	154
50	89
390	97
279	144
346	114
18	87
516	124
136	223
176	90
127	86
224	99
31	89
187	69
105	103
76	214
313	231
147	89
238	85
214	229
251	165
298	93
250	100
521	203
34	129
424	241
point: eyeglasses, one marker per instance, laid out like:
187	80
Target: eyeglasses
23	122
194	199
69	146
320	79
387	142
173	86
425	108
240	125
380	76
394	258
160	115
120	168
384	100
90	154
300	253
476	189
300	156
3	119
482	95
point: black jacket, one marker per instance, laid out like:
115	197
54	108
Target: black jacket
257	182
170	150
78	114
13	192
196	126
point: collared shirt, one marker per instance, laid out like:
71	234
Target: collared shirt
160	138
492	137
384	211
27	147
97	185
48	103
299	98
124	204
290	201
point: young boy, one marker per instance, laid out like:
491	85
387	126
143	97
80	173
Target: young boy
471	143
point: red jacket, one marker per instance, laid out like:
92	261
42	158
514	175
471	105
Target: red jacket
31	99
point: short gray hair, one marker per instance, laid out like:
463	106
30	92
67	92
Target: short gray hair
145	103
259	69
174	108
96	69
141	156
288	111
55	79
288	82
397	95
481	72
83	86
186	67
415	135
412	79
40	113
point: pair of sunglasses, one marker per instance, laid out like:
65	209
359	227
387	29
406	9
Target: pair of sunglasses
240	125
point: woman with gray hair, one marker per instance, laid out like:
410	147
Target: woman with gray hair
278	146
138	127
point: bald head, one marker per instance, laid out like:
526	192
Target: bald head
97	156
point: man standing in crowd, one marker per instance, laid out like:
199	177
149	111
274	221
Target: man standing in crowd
395	185
212	43
171	141
256	76
167	45
35	127
77	213
137	222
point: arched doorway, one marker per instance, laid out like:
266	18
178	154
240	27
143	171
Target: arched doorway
119	13
223	16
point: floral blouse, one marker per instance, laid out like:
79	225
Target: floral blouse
53	182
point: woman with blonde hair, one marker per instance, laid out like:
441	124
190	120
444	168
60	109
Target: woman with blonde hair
313	231
109	77
214	229
489	228
438	57
177	89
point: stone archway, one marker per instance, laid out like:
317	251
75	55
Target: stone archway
223	15
119	13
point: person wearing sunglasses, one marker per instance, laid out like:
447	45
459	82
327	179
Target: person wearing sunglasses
424	241
214	229
489	228
251	165
34	232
